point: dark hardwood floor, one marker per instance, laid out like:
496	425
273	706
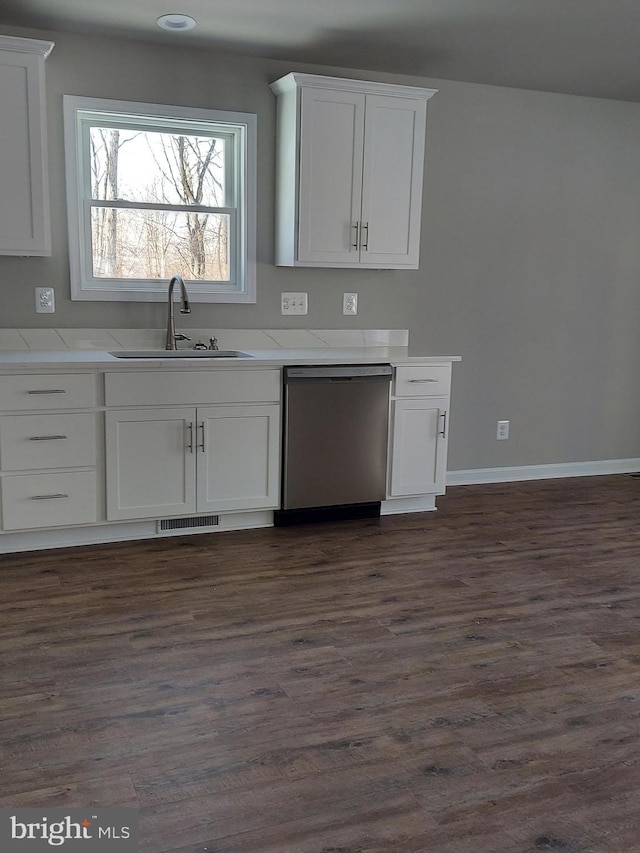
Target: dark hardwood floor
465	681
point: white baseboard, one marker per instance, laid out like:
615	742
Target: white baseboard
473	476
104	534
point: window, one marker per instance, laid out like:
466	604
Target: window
155	190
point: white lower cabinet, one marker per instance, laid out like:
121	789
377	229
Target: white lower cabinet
48	450
163	462
35	441
418	455
239	464
419	431
55	499
151	463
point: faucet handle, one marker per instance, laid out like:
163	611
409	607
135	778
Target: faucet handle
181	337
213	343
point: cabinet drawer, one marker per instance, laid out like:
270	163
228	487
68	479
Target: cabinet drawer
179	388
28	442
47	391
422	380
48	500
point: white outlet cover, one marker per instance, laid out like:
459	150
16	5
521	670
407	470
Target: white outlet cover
45	300
350	303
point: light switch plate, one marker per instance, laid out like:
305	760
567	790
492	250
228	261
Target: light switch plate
294	303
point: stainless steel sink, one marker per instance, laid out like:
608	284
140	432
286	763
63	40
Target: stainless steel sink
181	353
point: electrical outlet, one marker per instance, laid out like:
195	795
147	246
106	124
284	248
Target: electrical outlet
294	303
349	303
45	300
502	432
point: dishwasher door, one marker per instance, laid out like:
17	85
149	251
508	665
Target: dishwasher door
336	421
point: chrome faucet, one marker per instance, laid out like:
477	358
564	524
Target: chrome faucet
170	342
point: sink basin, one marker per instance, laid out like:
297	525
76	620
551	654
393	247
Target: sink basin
181	353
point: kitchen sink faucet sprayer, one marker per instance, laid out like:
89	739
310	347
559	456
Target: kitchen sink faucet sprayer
184	309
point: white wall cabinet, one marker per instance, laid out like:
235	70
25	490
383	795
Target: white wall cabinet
349	172
24	193
48	450
419	431
170	460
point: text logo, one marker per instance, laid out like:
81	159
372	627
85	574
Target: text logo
110	830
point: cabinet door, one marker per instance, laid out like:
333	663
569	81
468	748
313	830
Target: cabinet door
24	202
392	181
150	465
330	187
240	467
418	449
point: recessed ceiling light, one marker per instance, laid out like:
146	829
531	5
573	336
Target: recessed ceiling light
176	23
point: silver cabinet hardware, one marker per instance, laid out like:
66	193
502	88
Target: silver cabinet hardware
190	445
48	391
47	437
443	431
365	241
357	237
48	497
201	444
423	380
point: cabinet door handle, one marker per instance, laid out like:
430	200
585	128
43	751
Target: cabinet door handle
423	380
357	227
365	241
47	437
443	431
201	444
190	445
48	391
48	497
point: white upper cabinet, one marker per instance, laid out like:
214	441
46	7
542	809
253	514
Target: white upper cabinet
24	193
350	157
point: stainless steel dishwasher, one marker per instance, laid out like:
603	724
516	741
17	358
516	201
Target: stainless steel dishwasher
335	436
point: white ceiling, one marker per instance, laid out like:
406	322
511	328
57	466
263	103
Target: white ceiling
584	47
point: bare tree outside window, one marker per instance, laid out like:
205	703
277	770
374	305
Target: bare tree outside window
158	172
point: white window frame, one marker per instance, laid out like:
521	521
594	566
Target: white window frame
84	286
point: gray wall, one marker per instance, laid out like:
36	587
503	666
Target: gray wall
530	252
531	260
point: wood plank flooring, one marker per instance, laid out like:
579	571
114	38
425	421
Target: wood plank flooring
465	681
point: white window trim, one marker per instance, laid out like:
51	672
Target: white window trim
75	200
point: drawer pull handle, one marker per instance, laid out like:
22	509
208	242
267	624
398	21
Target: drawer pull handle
201	445
357	227
364	240
423	380
47	437
190	445
48	497
48	391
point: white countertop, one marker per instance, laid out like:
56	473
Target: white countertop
102	359
50	349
